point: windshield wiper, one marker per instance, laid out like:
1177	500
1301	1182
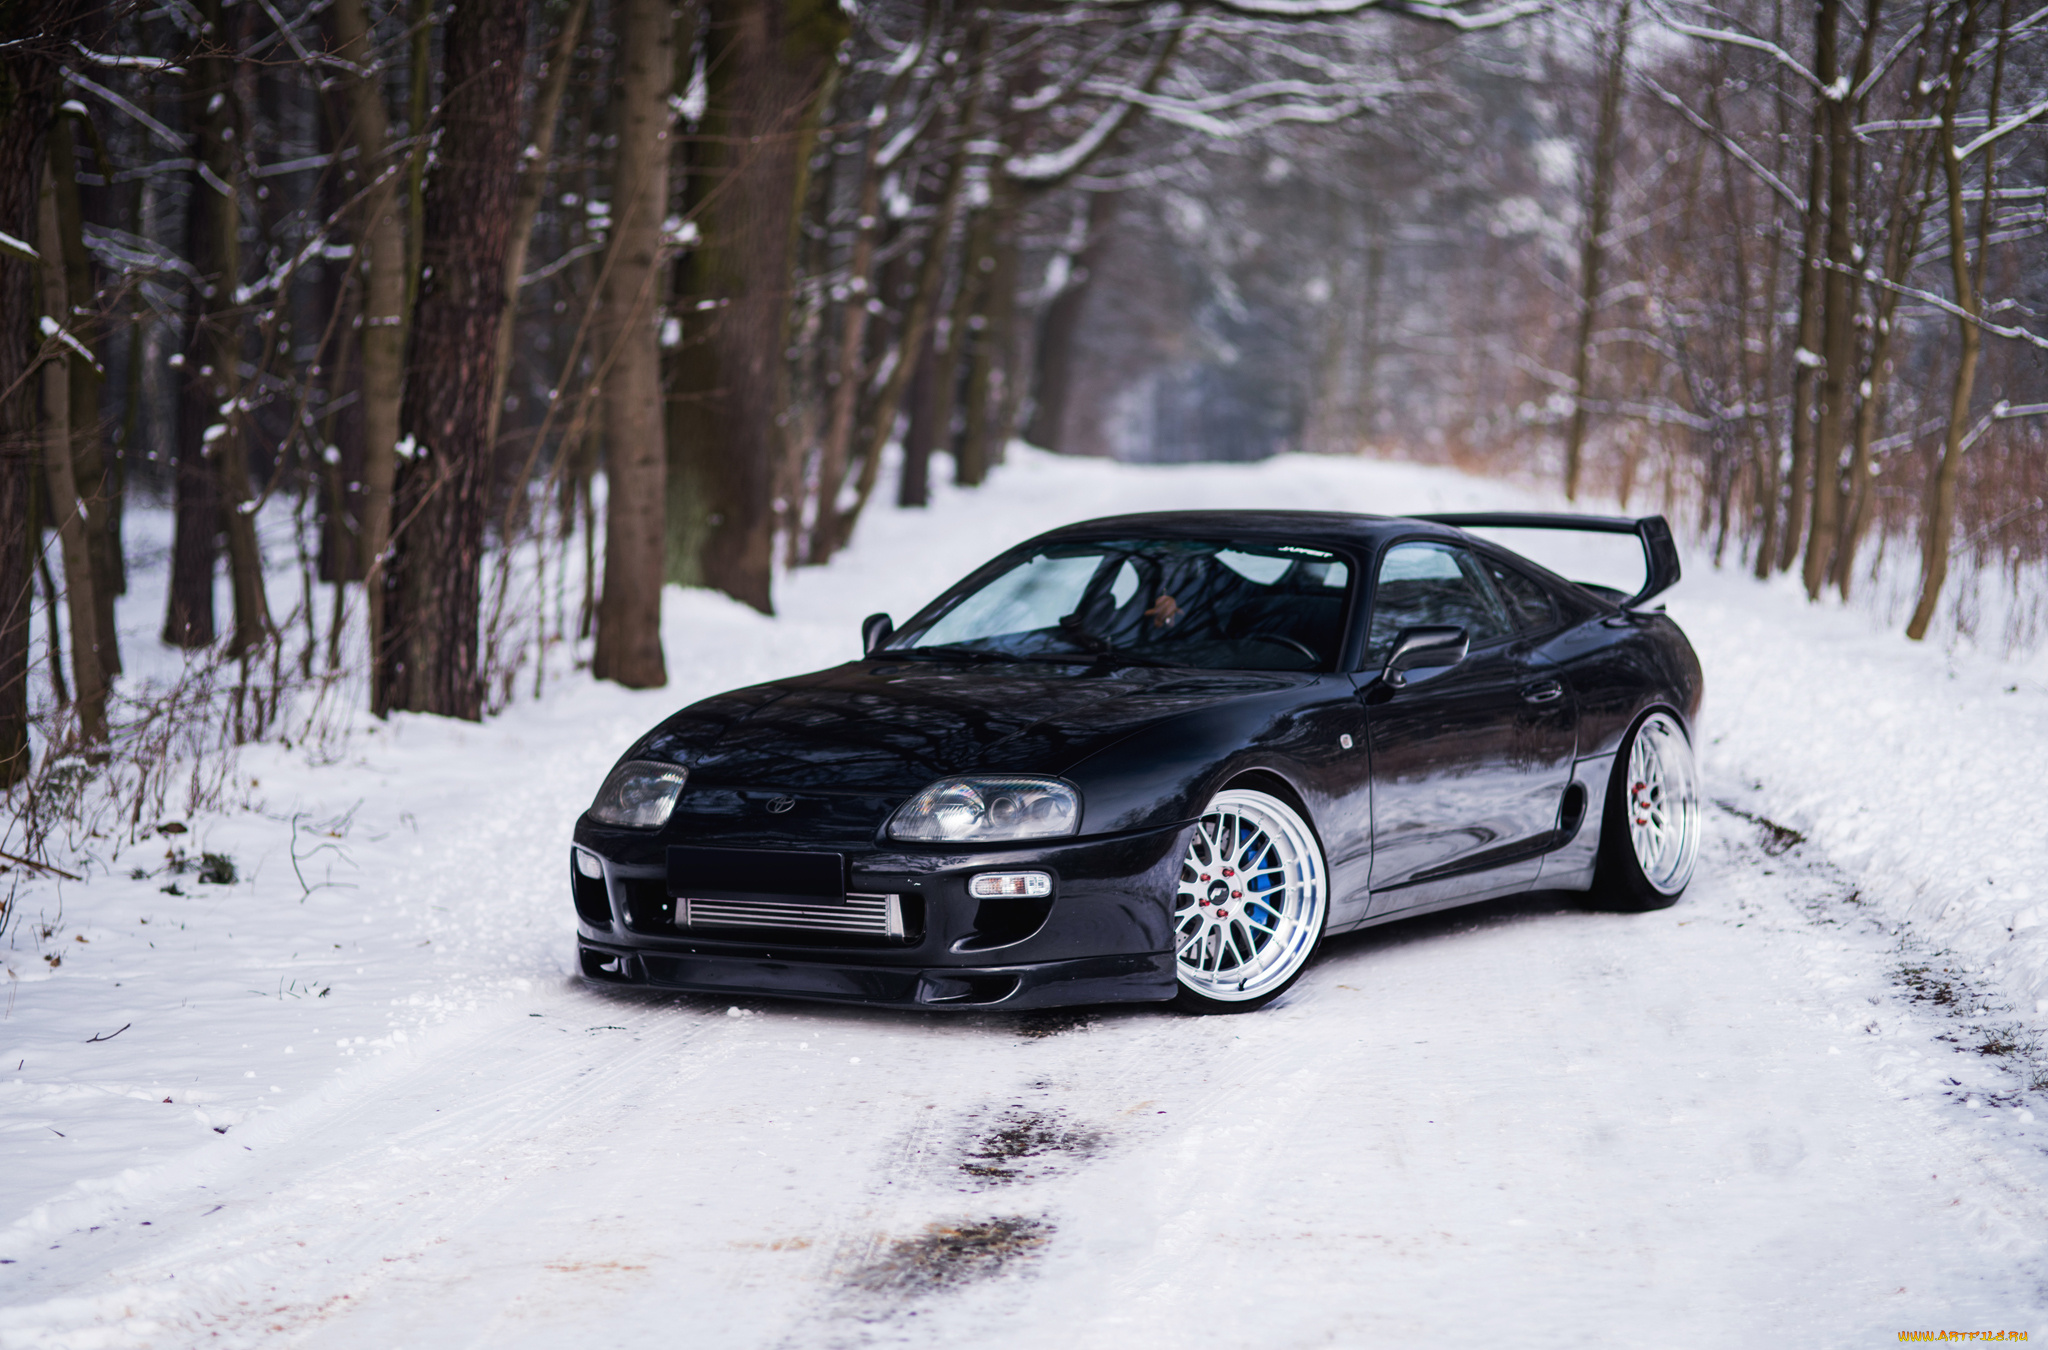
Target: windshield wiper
948	651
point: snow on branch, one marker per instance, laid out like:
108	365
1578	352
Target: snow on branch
55	332
1727	142
291	35
1919	123
1899	48
299	165
104	61
1081	69
886	157
156	128
125	253
1963	152
1200	114
1054	165
1949	306
1449	12
315	247
1463	22
1733	38
540	274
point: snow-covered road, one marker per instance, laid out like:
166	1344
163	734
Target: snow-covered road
1524	1125
1779	1113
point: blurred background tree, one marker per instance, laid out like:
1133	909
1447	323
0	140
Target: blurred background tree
450	333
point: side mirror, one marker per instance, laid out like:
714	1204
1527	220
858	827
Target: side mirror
875	630
1424	648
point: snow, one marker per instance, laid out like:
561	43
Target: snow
394	1117
50	328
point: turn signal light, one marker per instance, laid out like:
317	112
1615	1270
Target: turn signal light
993	885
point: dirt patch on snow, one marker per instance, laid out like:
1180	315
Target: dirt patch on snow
952	1253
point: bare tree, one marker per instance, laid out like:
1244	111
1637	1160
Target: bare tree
32	43
87	677
381	262
768	64
428	653
1593	248
629	610
1939	528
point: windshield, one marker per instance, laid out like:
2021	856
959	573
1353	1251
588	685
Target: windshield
1175	602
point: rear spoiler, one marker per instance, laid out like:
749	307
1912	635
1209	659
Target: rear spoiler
1660	553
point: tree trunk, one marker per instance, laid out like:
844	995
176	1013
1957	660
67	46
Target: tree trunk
92	467
1593	249
993	270
921	437
629	610
769	64
63	487
1060	327
1901	242
32	47
1841	297
31	50
209	386
1806	356
1939	530
533	183
933	422
230	453
420	125
428	649
382	263
848	378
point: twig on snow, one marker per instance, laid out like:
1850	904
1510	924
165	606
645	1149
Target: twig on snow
40	866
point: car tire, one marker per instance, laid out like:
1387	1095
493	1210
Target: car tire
1650	829
1244	934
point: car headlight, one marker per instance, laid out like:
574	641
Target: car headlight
988	810
639	794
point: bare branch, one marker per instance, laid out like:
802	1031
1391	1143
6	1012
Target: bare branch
1770	49
156	128
1963	152
1728	143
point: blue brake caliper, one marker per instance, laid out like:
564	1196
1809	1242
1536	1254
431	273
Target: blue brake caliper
1257	885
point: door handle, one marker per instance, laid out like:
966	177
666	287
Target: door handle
1543	691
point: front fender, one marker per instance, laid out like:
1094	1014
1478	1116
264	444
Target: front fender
1164	773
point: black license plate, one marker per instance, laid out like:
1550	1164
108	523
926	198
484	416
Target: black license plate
732	873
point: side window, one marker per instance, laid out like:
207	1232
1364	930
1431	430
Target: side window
1528	604
1423	584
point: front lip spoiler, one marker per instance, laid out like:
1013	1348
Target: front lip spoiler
1144	977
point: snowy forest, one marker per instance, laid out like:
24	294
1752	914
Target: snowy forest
445	336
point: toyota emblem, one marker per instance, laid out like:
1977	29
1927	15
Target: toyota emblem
778	805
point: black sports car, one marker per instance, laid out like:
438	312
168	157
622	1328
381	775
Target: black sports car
1157	757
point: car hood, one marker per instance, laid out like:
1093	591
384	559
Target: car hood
894	727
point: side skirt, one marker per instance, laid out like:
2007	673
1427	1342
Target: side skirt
1567	856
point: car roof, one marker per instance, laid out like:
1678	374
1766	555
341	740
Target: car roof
1329	528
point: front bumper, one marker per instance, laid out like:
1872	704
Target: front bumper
1105	935
1053	984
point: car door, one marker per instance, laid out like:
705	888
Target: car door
1468	762
1544	740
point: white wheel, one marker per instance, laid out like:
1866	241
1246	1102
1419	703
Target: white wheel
1251	905
1651	835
